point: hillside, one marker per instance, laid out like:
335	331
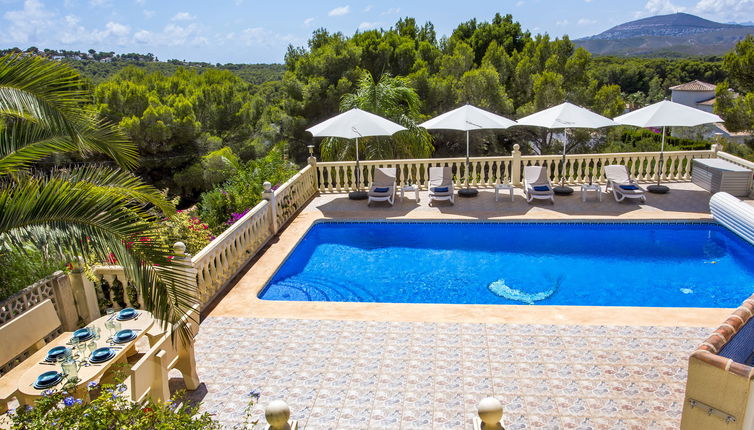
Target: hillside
673	35
99	66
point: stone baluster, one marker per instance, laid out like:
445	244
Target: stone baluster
490	412
183	258
269	195
278	414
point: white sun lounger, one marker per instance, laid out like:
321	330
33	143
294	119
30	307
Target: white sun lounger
537	184
621	184
383	186
441	184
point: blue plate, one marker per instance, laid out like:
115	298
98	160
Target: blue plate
124	336
83	334
101	354
126	314
55	353
48	379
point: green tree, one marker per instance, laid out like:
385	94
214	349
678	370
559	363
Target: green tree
738	108
78	211
390	98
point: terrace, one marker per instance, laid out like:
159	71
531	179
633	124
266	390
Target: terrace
386	365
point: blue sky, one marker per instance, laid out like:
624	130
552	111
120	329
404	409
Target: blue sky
253	31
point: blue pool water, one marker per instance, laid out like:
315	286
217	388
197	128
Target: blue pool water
592	264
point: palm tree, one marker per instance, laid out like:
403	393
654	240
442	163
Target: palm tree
96	211
391	98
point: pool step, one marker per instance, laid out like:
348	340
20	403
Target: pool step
305	287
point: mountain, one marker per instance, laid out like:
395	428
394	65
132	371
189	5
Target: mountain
678	34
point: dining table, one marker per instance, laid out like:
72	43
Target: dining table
88	372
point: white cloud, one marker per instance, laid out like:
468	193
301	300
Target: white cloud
586	21
140	2
27	25
340	11
726	10
143	37
183	16
520	3
716	10
98	3
392	11
655	7
368	8
562	22
308	21
368	25
148	13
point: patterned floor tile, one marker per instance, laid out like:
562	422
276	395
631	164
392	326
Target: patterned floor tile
396	375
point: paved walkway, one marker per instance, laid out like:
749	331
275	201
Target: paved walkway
413	375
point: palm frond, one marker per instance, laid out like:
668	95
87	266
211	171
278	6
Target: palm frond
48	97
95	213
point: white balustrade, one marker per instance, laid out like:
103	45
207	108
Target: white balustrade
218	262
114	290
486	172
294	194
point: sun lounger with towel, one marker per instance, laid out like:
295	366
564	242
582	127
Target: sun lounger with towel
537	184
621	184
441	184
383	185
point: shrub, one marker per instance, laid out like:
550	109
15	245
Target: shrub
19	270
243	190
108	409
189	229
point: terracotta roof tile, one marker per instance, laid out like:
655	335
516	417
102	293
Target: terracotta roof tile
695	85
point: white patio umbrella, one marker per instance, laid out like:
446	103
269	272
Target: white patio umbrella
467	118
666	114
565	116
354	124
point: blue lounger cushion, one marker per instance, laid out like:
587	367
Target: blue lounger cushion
629	187
381	189
440	189
541	188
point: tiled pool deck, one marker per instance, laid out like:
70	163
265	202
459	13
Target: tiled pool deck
398	366
409	375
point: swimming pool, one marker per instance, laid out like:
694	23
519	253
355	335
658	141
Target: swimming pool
544	263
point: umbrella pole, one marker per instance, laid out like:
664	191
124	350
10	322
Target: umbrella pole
467	159
358	194
467	192
658	188
563	170
662	151
563	189
358	184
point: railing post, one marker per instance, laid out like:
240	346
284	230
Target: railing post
490	412
278	414
516	165
715	147
312	160
180	255
83	293
269	195
69	316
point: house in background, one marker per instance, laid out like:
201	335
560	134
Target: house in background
701	95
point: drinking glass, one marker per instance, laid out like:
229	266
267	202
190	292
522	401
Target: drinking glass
91	346
70	369
109	326
116	326
75	345
109	311
97	332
